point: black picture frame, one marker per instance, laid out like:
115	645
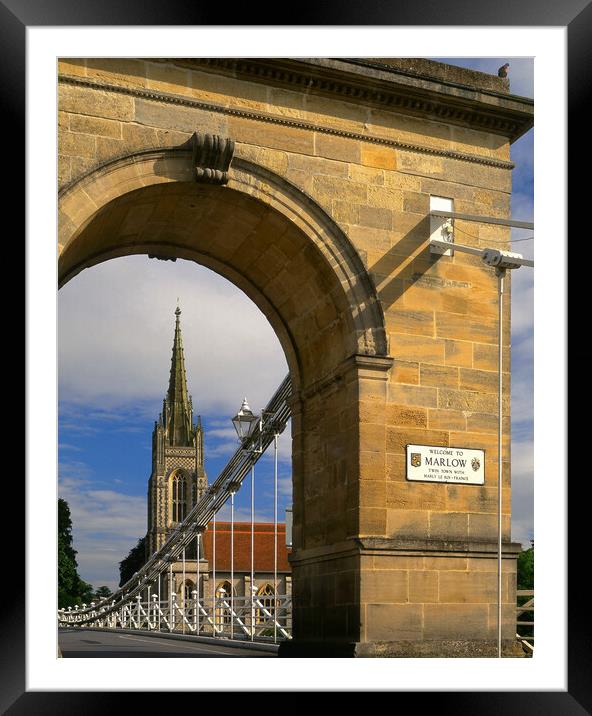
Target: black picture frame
17	15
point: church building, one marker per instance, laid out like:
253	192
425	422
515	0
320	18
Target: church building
177	482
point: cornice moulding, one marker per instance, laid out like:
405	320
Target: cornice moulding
384	87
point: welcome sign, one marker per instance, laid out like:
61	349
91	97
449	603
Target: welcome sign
431	463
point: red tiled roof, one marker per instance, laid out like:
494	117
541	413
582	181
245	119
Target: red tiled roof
263	543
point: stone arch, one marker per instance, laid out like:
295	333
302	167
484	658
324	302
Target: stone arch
290	257
297	265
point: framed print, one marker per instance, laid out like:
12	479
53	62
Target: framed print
32	683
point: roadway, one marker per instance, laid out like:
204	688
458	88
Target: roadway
84	643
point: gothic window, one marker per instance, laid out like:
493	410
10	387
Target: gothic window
222	612
265	598
193	492
179	498
186	596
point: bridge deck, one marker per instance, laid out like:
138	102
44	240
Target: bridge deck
85	643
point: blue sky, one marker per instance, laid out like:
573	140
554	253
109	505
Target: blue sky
114	366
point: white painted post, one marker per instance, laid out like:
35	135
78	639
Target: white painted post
252	548
197	584
275	535
232	564
183	590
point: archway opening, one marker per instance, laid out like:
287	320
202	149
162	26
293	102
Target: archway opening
116	330
242	239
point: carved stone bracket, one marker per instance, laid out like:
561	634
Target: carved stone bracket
211	158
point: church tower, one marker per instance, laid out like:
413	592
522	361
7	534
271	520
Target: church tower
178	478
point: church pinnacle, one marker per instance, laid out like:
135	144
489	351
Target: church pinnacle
177	409
178	478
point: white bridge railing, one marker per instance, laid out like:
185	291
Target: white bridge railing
261	617
240	618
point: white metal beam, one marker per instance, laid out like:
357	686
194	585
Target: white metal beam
482	219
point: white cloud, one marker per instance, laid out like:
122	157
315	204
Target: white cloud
106	524
115	334
522	490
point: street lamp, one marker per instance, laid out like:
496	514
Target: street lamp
244	422
502	261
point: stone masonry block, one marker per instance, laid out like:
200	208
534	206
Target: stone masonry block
118	71
403	320
80	100
415	496
416	203
414	348
455	621
72	67
393	622
374	217
366	175
341	149
406	416
461	327
448	525
95	125
459	353
384	586
423	586
372	493
467	587
185	119
167	78
405	372
484	526
395	467
467	400
413	395
446	562
397	438
438	376
384	197
376	155
291	139
439	419
485	356
481	380
372	521
407	523
77	145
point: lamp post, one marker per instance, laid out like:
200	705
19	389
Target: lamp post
245	423
501	261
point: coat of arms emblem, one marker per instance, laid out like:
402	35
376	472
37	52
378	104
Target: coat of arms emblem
415	459
475	463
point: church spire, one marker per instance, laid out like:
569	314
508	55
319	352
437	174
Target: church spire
177	408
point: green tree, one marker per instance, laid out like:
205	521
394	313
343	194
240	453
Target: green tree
525	577
132	563
102	593
71	588
525	580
